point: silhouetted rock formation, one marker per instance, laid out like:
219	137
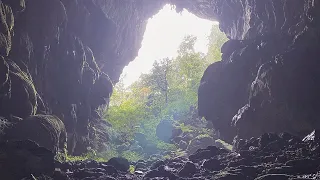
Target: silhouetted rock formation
62	58
268	79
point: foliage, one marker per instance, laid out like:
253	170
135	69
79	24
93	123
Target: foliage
166	146
185	128
131	169
165	93
216	40
100	157
132	156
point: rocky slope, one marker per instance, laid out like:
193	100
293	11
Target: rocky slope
271	156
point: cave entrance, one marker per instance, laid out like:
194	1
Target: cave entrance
153	109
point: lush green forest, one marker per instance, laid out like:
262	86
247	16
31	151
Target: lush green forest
168	95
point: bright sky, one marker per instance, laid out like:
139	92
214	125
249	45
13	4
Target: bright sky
165	31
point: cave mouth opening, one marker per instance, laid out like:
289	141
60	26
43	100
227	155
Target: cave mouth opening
153	108
164	33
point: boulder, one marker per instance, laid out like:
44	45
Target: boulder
46	130
22	158
200	142
188	170
183	145
164	130
119	163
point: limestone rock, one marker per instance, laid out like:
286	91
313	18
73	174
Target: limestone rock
120	164
22	158
47	131
164	130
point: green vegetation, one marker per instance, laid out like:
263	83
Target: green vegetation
167	92
132	156
131	169
185	128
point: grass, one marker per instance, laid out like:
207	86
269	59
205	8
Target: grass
99	157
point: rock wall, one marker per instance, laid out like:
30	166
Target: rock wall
268	79
62	57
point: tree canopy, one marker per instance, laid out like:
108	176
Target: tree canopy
165	93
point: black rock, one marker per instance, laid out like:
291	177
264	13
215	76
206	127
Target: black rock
119	163
110	170
92	164
164	130
207	153
162	171
212	164
140	165
58	174
85	173
22	158
157	164
274	177
183	145
188	170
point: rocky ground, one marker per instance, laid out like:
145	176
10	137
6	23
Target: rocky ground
269	157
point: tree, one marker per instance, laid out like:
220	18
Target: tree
159	77
166	92
216	40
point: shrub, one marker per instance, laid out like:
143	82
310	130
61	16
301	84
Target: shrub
132	156
185	128
166	146
131	169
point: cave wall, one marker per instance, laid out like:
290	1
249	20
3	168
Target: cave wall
62	57
268	79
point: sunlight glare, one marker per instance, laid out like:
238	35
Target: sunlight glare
164	33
